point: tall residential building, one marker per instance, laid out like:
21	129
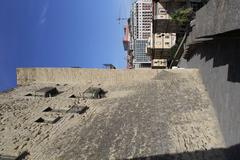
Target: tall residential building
140	31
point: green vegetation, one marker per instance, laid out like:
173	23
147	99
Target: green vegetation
182	16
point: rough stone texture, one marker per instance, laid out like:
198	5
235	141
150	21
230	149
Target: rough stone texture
217	17
83	76
166	115
218	63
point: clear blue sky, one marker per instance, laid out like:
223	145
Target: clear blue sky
59	33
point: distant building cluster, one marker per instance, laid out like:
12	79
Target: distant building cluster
137	32
150	33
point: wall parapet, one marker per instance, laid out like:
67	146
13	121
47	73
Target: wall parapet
75	75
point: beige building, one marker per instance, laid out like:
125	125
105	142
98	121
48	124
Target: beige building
163	36
162	41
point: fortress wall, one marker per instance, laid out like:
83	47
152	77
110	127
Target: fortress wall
218	64
217	59
83	76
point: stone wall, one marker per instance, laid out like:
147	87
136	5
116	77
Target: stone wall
83	76
217	17
218	63
213	47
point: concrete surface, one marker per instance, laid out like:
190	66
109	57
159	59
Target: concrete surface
218	64
161	115
217	17
218	61
83	76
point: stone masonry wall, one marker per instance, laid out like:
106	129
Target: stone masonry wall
218	63
84	76
217	17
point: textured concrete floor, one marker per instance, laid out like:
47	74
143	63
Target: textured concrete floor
167	117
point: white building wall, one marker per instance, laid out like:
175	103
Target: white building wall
161	11
141	18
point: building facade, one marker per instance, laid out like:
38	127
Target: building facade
165	31
163	36
140	30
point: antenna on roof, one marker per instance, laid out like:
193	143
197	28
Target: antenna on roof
120	18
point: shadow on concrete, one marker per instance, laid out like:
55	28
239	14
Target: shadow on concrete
231	153
223	51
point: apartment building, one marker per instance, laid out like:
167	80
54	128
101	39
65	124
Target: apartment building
140	31
163	36
164	30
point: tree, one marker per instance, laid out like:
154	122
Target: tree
182	16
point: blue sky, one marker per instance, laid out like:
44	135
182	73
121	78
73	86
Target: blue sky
59	33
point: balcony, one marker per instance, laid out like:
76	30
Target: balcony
160	41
